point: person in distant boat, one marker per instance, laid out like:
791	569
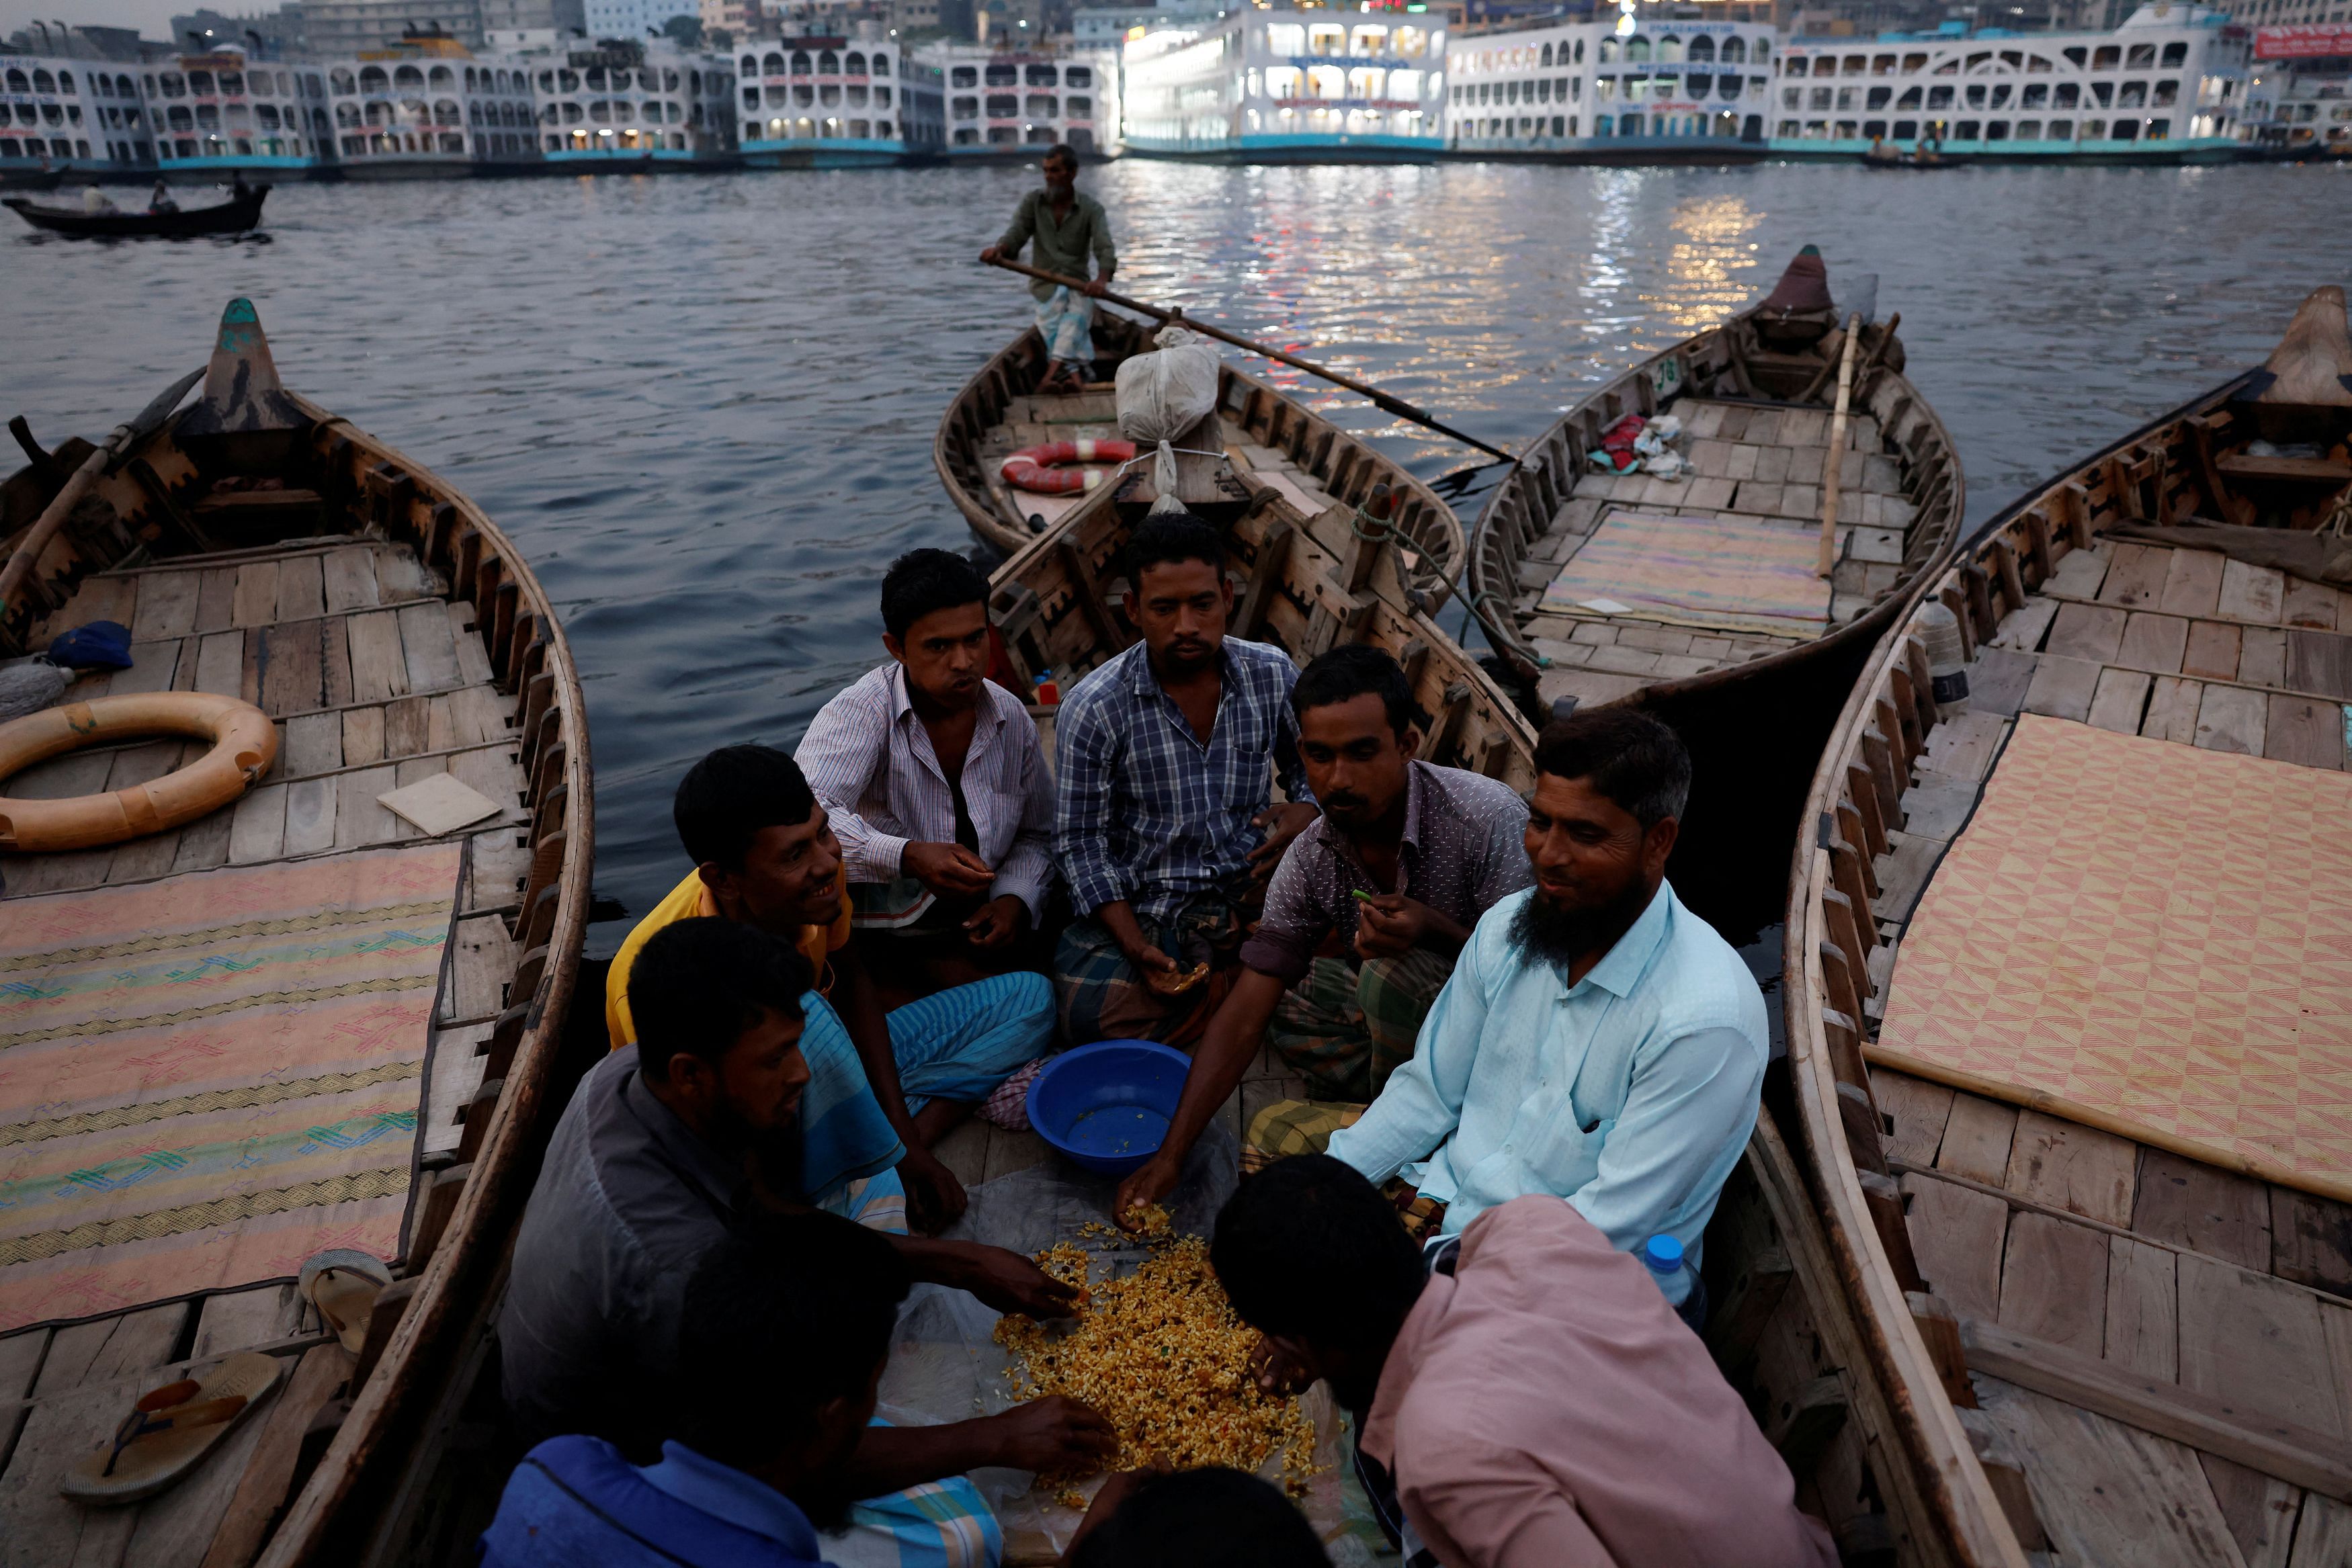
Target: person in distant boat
1526	1402
1162	821
237	189
160	199
1067	227
937	787
764	853
731	1109
1598	1041
94	202
1405	859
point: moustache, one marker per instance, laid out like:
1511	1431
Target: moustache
1342	801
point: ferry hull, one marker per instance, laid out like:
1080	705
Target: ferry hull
827	152
1277	149
661	160
370	170
212	170
2201	150
1615	151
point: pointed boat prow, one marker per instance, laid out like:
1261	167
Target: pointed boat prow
245	418
2304	391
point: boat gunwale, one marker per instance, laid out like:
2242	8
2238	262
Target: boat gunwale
1488	552
1929	1428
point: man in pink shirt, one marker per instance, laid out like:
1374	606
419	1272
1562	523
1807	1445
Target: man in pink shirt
1538	1407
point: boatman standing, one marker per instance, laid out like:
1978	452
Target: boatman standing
1067	228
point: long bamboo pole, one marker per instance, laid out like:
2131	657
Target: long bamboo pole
1833	464
1382	400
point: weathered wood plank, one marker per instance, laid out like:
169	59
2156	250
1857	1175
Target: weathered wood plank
1919	1110
220	663
2120	701
217	599
107	1349
2154	643
268	1470
2252	1338
481	963
301	591
240	1319
406	726
1977	1139
2311	604
351	579
2053	1283
362	736
255	602
2135	577
167	606
359	819
2322	1536
314	744
2255	593
2211	651
425	642
293	673
258	826
1957	1234
2193	582
2307	733
379	668
2172	710
2259	1510
2093	632
2191	1204
204	844
2311	1240
2230	719
2065	1164
311	806
2143	1330
2061	687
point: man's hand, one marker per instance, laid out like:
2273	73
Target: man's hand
1389	925
950	870
1148	960
1096	287
1277	1374
1055	1434
989	255
1011	1283
1282	824
1000	921
935	1200
1154	1180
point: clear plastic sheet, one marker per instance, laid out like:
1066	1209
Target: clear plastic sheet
945	1366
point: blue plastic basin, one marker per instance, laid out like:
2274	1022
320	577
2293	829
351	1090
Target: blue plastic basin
1107	1106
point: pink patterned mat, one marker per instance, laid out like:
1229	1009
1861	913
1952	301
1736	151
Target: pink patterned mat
2150	938
207	1079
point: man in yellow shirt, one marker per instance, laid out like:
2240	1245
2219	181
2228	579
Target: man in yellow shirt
765	855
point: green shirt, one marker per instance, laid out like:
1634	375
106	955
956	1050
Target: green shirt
1062	248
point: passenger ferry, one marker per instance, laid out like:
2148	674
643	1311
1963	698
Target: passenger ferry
1622	91
69	116
631	104
2299	103
838	100
1009	106
222	112
2166	87
1288	85
426	108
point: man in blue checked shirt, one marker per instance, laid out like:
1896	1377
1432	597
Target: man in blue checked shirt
1162	821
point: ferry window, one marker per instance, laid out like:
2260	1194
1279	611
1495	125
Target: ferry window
1569	87
1910	99
207	118
1282	81
2107	59
2067	96
473	82
1039	76
1969	130
347	115
372	79
1629	125
1579	61
600	109
2011	60
408	76
2134	95
1882	64
1873	129
1792	98
2167	94
1327	81
571	114
2040	63
750	64
2094	130
1286	38
1365	42
2001	96
1080	107
1997	132
2124	131
1041	105
966	108
855	64
1608	54
964	76
1327	40
1637	47
2029	131
1702	50
2036	96
1367	81
2103	92
266	116
1824	66
1543	91
1670	48
1981	58
803	94
1938	98
1878	97
1698	87
828	64
881	64
1948	68
1002	76
1733	51
1077	76
1817	130
1003	105
1905	130
1844	98
232	84
800	63
1546	56
174	85
1404	84
2142	57
200	83
1786	128
2175	55
442	77
1856	65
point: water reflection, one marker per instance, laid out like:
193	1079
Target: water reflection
705	407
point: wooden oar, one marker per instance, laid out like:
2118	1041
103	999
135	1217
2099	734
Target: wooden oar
1382	400
1834	468
105	458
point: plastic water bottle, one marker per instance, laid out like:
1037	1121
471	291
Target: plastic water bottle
1948	670
1664	1254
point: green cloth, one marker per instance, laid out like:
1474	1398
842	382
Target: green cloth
1062	248
1345	1027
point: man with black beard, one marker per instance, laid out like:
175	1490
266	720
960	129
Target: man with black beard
1598	1041
670	1146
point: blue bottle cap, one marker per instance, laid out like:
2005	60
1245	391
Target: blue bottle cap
1663	1254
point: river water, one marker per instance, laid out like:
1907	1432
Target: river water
704	406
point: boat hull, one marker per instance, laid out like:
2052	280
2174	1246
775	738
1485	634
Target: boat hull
238	215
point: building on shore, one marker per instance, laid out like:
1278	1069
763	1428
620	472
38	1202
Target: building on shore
1266	87
2167	87
2299	101
1663	91
845	99
1010	105
344	29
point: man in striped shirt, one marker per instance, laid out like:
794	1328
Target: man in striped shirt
1162	819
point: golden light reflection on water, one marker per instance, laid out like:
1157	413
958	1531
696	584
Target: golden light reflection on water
1710	269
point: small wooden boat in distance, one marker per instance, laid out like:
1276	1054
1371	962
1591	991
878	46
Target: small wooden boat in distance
2067	1007
259	547
239	214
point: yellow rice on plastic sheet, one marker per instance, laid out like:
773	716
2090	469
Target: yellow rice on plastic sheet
1162	1357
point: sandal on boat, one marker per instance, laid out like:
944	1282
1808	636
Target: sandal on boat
343	1285
169	1430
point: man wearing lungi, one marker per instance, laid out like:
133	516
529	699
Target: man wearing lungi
1067	227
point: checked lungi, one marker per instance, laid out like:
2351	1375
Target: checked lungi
1345	1027
1066	321
1102	998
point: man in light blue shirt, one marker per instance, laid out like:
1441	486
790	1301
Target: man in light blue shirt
1598	1041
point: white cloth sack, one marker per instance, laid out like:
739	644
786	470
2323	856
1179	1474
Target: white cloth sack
1163	395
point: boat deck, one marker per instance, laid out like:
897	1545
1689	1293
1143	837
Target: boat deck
376	681
2163	1347
1749	463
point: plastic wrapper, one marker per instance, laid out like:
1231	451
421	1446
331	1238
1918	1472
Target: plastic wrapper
1163	395
945	1366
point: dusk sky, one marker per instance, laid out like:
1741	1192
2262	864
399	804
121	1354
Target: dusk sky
151	17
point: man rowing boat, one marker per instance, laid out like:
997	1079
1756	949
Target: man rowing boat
1067	227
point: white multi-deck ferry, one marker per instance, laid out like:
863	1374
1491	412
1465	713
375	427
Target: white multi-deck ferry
632	104
836	101
2299	102
2166	87
1009	106
426	108
49	120
1621	91
222	112
1273	86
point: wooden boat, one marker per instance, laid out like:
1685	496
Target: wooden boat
1746	679
258	546
1259	430
31	179
236	215
2103	1304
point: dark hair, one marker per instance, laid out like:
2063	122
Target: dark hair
1212	1518
1354	670
697	985
1171	537
924	581
779	1289
726	799
1062	149
1634	759
1308	1247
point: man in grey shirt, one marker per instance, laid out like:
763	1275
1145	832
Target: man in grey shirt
1067	228
665	1146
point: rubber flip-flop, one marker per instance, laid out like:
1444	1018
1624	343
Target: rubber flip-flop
343	1285
171	1430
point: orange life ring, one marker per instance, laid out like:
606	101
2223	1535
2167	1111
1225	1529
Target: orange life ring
244	743
1032	468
